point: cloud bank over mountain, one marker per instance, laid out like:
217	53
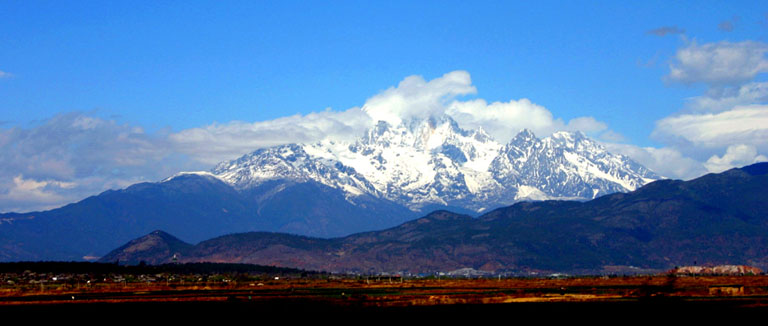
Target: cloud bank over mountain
413	98
76	154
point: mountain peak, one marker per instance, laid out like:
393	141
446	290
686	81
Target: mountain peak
524	135
162	234
575	140
157	247
432	122
204	174
570	136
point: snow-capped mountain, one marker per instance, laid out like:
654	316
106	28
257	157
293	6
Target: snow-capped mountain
390	175
433	161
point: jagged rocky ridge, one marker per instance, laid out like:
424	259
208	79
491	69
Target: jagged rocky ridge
435	162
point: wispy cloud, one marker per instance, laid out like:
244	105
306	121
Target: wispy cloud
217	142
735	156
728	125
718	99
740	125
413	97
725	26
729	25
666	30
722	63
666	161
4	74
73	155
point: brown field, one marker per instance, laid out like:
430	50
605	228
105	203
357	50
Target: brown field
741	291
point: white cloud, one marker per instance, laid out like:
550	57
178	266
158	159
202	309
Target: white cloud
725	98
731	118
73	155
217	142
416	98
503	120
735	156
665	161
586	124
612	136
741	125
722	63
74	145
35	191
18	192
4	74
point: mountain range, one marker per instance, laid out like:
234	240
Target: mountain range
390	175
712	220
427	162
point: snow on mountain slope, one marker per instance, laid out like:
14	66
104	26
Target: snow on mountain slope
567	165
433	161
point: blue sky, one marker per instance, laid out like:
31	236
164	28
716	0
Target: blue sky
99	95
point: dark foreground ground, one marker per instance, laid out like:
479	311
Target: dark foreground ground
602	300
597	312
